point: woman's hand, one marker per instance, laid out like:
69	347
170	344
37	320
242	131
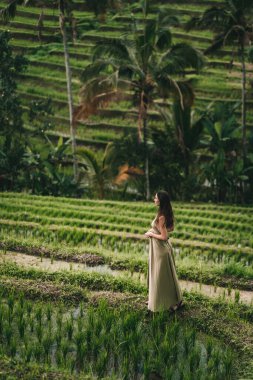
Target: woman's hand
149	234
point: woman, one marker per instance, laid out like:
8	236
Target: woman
164	289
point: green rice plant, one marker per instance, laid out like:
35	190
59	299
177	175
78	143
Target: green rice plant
79	339
49	311
81	310
81	347
21	326
59	322
38	314
1	319
46	344
29	348
13	347
237	296
65	351
10	302
69	328
169	371
58	356
101	363
194	360
81	354
19	311
58	338
80	324
39	332
125	365
209	347
165	349
97	327
147	367
228	361
38	352
8	333
31	324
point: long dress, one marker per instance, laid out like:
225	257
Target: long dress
163	284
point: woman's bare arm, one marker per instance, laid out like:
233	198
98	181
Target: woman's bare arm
162	228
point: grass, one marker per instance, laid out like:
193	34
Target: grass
96	232
127	347
212	246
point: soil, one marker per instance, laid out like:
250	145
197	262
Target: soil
47	264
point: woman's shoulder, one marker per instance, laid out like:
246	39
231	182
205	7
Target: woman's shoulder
162	220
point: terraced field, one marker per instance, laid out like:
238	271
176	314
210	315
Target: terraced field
84	264
46	73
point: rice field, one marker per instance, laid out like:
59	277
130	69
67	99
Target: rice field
73	272
74	283
46	59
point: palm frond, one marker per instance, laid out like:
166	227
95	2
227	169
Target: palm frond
149	31
188	131
166	19
181	91
185	56
165	113
113	47
216	44
163	39
213	18
240	5
145	6
192	23
90	160
127	172
94	69
250	54
9	12
98	92
109	154
184	92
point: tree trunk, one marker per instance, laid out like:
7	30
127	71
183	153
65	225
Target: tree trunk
244	141
69	91
146	156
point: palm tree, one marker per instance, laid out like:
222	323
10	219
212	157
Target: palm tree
232	23
188	131
221	143
147	63
104	171
100	7
65	8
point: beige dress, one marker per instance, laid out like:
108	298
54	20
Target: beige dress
163	285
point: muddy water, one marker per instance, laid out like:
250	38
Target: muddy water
216	292
58	265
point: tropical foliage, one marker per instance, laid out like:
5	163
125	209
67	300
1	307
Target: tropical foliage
12	136
193	152
232	23
149	65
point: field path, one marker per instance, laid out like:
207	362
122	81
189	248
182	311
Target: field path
32	261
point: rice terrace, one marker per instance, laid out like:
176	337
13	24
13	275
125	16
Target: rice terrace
126	189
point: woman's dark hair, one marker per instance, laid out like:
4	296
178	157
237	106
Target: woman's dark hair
165	209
